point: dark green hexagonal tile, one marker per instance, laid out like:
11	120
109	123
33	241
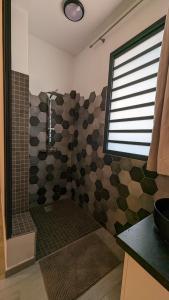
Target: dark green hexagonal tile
123	190
132	217
142	213
122	203
137	174
114	180
149	186
149	174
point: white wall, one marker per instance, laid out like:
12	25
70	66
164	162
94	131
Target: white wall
49	67
19	40
91	65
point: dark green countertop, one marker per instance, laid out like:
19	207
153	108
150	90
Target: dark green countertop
143	243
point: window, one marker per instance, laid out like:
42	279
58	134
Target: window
131	94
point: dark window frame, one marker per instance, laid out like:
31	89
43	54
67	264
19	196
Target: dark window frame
139	38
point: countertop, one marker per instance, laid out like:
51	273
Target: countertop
144	244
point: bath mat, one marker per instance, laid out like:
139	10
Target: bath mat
71	271
59	225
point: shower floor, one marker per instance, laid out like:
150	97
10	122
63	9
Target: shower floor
60	224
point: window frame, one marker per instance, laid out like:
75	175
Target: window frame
138	39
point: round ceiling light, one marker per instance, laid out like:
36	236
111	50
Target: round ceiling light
73	10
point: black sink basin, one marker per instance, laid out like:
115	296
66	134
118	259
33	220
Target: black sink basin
161	217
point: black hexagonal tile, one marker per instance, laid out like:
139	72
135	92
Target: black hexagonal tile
41	191
58	137
95	145
93	167
137	174
42	155
122	203
50	168
84	153
86	198
64	158
58	119
86	104
79	157
34	141
123	190
92	97
98	185
76	115
90	118
96	134
43	107
149	174
33	179
104	93
70	146
103	105
63	191
142	213
114	180
56	188
65	124
97	195
76	133
33	170
85	124
34	121
107	159
73	94
82	172
149	186
73	193
105	194
132	216
49	177
118	227
89	139
41	200
59	100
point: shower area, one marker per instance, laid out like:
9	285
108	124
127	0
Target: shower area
53	138
56	155
58	205
59	189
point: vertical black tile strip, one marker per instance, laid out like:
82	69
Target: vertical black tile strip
7	114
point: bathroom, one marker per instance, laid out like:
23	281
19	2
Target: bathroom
79	122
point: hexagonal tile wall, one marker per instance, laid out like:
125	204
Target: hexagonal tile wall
49	167
117	191
123	183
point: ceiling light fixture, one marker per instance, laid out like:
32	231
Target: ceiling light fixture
73	10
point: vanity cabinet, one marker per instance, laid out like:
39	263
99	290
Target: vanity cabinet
138	284
146	265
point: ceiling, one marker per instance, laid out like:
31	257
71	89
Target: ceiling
47	21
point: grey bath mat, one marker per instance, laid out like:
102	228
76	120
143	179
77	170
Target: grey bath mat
71	271
59	225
